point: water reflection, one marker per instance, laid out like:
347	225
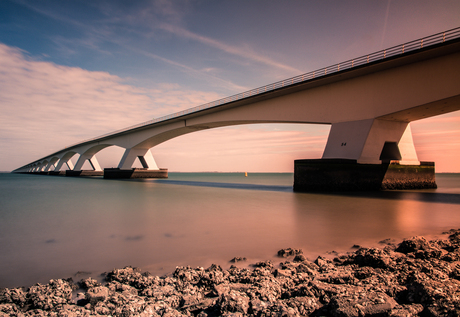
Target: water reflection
65	225
338	221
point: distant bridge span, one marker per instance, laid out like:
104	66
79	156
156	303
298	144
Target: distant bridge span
369	101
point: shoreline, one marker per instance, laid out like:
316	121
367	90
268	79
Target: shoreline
415	277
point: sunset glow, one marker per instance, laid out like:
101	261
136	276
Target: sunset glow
71	71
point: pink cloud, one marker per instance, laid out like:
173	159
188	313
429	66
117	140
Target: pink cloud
46	107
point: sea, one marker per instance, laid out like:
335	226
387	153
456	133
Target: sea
59	227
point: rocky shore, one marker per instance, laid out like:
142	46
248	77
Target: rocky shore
416	277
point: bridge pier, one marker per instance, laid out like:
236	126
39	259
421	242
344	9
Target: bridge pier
65	160
369	154
124	170
348	175
92	160
83	173
116	173
364	141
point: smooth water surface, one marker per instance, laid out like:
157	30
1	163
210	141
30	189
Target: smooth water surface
54	227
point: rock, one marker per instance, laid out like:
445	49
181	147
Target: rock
265	264
406	310
15	295
305	305
88	283
238	259
324	264
97	294
258	306
413	244
212	276
362	304
421	278
372	257
10	309
46	297
233	302
284	253
299	258
283	273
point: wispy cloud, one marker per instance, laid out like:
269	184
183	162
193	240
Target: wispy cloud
190	70
230	49
116	26
46	106
95	33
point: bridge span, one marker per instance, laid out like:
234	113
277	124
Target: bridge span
368	101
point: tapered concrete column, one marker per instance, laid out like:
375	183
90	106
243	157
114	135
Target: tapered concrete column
407	148
364	141
366	155
65	159
144	156
92	161
52	163
69	164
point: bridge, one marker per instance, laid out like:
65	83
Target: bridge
369	102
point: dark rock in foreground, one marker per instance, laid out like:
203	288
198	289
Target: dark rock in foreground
415	278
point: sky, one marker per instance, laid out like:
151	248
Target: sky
73	70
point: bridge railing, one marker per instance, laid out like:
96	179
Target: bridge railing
322	72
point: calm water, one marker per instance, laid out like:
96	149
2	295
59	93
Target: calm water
54	227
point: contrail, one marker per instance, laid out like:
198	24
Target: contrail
385	24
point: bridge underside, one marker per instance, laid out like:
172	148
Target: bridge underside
369	109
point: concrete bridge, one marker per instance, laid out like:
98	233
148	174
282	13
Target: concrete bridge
368	101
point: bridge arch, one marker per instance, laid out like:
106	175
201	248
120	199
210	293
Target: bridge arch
141	144
368	104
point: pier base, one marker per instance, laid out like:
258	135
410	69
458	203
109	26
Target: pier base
348	175
116	173
84	173
57	173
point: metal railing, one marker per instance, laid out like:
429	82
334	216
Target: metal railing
365	59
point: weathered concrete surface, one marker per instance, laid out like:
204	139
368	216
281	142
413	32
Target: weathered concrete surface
410	176
347	175
116	173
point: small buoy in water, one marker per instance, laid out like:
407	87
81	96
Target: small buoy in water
245	174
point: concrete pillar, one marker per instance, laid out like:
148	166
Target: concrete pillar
69	164
92	161
144	156
366	155
65	160
407	148
51	163
364	141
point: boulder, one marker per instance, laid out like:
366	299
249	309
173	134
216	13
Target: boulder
97	294
284	253
46	297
